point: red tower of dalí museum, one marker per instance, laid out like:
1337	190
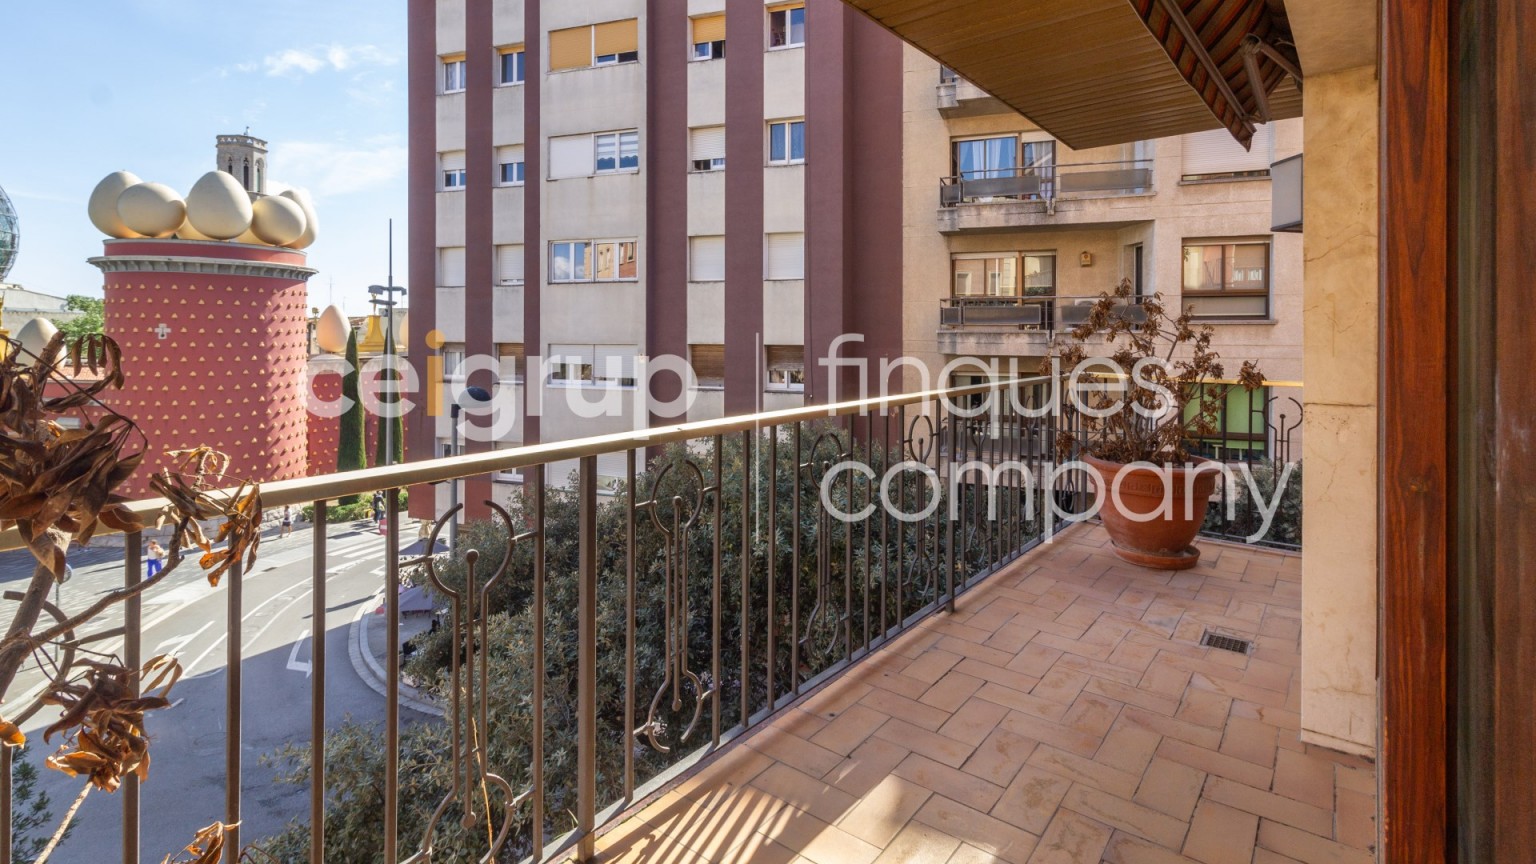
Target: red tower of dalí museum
207	299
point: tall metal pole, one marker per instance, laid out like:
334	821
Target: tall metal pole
453	485
389	350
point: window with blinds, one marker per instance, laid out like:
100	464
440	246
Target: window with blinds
570	156
454	175
709	37
706	259
1226	279
708	362
450	266
614	365
785	366
707	147
509	165
453	73
604	365
511	364
509	264
594	45
511	69
1216	155
784	256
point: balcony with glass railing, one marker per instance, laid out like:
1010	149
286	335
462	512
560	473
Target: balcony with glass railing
993	198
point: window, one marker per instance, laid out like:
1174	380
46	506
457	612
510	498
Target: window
453	362
509	264
786	26
509	166
1039	274
985	158
453	74
450	266
1227	280
786	142
1242	425
616	151
784	256
512	71
594	45
573	156
511	364
455	177
707	148
987	275
947	75
785	367
706	259
1216	155
708	362
1135	266
709	37
599	261
601	365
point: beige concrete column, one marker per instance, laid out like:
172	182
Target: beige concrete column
1340	357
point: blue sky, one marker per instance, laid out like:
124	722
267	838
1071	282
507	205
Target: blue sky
94	86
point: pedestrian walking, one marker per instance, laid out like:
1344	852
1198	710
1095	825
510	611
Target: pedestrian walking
156	559
287	520
378	509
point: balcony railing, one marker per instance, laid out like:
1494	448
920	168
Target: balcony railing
1043	312
720	587
1047	182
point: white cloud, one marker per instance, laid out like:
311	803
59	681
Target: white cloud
330	168
293	62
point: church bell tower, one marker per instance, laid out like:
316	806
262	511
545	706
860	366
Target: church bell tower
244	157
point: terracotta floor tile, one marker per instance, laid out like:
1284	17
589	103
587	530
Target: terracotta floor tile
866	766
1221	835
951	691
919	844
1199	736
1271	806
1306	847
849	729
1086	771
1130	849
952	783
1133	695
1304	778
1126	815
1128	747
884	810
990	674
1032	799
931	744
1212	762
1356	819
989	835
802	791
1021	701
814	839
811	758
999	757
1170	788
973	721
1065	737
908	709
1250	740
931	665
1071	839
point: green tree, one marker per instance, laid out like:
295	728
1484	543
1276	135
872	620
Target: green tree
32	821
398	432
90	320
352	449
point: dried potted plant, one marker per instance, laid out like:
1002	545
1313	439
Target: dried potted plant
1153	387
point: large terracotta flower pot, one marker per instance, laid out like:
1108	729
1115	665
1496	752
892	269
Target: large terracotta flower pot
1164	542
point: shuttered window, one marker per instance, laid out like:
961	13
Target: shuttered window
1216	154
570	156
708	363
509	165
709	28
570	48
706	259
616	41
784	256
614	364
509	264
453	172
785	367
450	266
570	364
707	147
510	360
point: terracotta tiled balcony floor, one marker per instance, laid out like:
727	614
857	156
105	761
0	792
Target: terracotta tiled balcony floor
1065	714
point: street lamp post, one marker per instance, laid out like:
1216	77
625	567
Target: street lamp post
384	295
470	397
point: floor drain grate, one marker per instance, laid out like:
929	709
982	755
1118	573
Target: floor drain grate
1225	643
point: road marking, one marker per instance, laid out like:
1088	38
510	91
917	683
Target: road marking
180	641
294	663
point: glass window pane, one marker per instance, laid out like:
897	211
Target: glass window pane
1250	267
969	276
797	140
968	158
1002	155
579	264
776	142
629	260
776	28
604	265
1039	274
797	26
629	150
1202	268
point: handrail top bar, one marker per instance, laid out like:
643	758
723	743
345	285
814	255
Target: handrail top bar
325	487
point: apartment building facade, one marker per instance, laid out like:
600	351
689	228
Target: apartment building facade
598	184
1008	232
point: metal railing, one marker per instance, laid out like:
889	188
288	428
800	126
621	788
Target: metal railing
722	586
1042	312
1266	447
1047	182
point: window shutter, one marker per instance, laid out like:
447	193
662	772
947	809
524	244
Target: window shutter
513	153
708	142
616	37
512	364
707	259
453	160
785	256
708	363
570	354
509	264
708	28
510	49
613	361
570	48
450	266
785	357
1217	152
570	156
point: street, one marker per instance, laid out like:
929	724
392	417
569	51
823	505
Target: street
185	617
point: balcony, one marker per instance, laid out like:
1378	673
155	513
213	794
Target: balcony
1079	194
728	657
989	326
958	97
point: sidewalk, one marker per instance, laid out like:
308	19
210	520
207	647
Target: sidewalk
367	643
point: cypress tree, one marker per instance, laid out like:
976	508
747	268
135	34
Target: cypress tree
399	430
352	449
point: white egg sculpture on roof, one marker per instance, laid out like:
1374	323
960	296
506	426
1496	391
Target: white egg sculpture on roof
219	207
151	209
102	206
35	335
331	331
311	221
277	220
187	232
